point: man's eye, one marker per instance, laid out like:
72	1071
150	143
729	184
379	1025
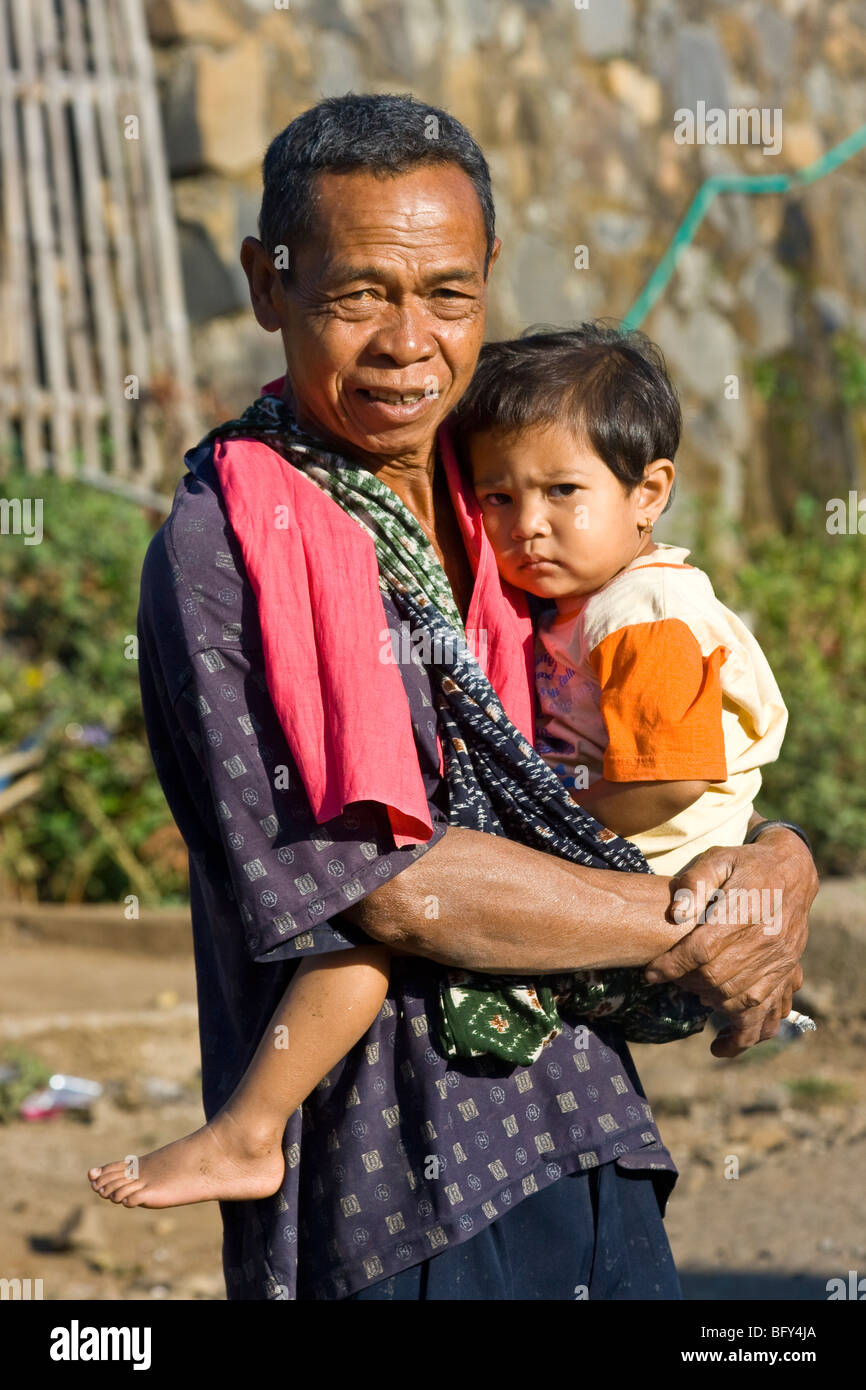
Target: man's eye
354	295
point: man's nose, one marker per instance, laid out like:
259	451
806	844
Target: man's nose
404	334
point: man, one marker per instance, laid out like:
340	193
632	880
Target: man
407	1178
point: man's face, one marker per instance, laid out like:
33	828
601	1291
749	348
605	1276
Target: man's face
385	300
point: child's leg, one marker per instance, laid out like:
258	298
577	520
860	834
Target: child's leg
237	1156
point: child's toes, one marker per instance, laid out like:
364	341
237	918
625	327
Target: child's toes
135	1197
125	1190
117	1169
107	1186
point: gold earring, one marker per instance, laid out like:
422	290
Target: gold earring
647	527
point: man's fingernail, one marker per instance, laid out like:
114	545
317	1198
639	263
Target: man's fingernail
653	977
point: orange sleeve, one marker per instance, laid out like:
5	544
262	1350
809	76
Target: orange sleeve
661	701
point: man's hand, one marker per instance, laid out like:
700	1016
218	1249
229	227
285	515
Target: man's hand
750	905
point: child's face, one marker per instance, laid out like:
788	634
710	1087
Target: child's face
560	523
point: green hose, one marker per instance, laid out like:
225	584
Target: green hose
733	183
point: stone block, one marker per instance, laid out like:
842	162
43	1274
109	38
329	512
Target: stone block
775	42
214	109
769	292
701	347
618	233
214	215
606	29
337	66
209	288
234	358
185	21
801	144
641	93
702	68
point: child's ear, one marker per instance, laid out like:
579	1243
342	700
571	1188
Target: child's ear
658	479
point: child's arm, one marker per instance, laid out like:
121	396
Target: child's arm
630	807
327	1008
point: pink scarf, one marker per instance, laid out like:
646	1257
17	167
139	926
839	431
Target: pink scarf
344	709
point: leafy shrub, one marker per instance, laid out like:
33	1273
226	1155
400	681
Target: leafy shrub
69	684
804	595
21	1073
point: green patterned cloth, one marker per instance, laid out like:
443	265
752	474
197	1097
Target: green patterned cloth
489	1014
503	1016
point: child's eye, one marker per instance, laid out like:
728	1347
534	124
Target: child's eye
495	499
563	489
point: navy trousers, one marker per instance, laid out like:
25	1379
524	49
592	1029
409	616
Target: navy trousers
597	1234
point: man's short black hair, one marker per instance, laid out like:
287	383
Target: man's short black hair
600	382
387	134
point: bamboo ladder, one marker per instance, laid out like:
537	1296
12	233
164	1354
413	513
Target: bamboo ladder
95	370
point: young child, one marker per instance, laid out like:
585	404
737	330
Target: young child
657	706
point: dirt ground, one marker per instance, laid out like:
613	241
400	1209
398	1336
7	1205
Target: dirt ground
771	1200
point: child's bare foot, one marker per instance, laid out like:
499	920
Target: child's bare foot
219	1162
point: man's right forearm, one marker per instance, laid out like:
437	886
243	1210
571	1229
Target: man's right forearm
486	903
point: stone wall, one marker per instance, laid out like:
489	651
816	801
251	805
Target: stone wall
575	110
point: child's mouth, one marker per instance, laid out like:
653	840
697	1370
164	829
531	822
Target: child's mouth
536	564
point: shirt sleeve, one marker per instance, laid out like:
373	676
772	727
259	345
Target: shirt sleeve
661	701
224	763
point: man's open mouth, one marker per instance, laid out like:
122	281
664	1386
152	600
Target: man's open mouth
391	397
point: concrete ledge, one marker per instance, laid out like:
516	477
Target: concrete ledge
835	956
157	932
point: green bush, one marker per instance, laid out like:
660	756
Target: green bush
69	680
21	1073
804	594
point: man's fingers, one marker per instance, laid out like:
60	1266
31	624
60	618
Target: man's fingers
744	1030
737	1000
730	970
695	884
729	1043
771	1023
738	1036
743	973
707	943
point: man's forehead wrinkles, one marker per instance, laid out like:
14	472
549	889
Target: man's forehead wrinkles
382	218
372	261
396	241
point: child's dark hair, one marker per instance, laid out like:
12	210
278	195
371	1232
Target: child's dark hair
605	384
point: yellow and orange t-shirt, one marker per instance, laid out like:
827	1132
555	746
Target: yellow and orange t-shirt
654	680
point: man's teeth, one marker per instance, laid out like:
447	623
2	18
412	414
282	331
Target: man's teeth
394	397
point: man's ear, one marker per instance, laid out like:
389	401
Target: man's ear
264	283
494	255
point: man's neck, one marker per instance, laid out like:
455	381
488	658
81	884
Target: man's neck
415	483
412	476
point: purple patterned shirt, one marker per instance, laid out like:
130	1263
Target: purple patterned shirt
398	1152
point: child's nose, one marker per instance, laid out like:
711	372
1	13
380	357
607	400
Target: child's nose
529	520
